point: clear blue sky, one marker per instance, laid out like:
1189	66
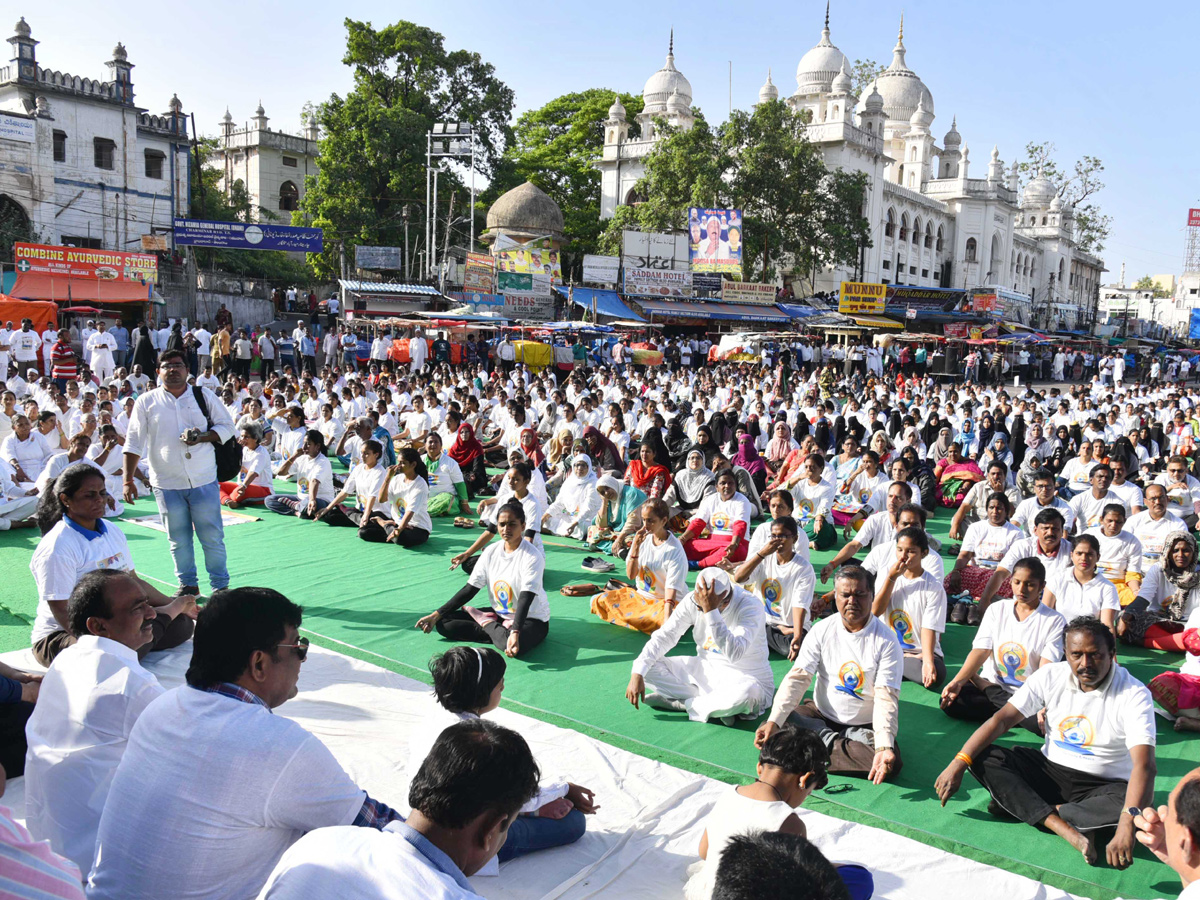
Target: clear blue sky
1111	80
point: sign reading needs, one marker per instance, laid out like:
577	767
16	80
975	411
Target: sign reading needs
862	297
247	236
75	262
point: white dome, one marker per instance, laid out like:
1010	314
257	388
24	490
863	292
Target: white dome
952	138
617	110
768	91
1038	192
921	117
901	89
874	101
842	83
820	65
1056	204
676	103
666	81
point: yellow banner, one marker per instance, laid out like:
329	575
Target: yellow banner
862	297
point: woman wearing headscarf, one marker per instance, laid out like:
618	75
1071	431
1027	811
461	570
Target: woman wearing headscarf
577	503
883	446
143	351
747	458
780	445
532	448
605	455
996	451
691	485
618	518
941	447
647	471
705	444
558	458
968	439
719	430
1166	599
1016	439
468	453
678	443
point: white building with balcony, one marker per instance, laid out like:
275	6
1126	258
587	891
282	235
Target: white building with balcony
80	163
933	224
272	165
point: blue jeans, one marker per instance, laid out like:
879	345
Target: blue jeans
528	834
196	509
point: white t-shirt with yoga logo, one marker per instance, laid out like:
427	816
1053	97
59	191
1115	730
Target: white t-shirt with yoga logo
721	515
1018	648
990	542
507	574
662	567
782	587
916	604
846	667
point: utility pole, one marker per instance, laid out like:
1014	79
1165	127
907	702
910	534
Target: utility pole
446	245
433	260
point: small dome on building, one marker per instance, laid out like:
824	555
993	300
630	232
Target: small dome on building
119	52
952	138
1039	192
820	65
921	117
1056	205
260	111
176	105
22	28
874	101
768	91
676	104
901	88
228	118
666	81
842	83
616	112
526	209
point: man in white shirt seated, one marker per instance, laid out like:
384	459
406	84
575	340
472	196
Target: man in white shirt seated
1097	760
1152	525
1172	832
212	788
464	798
89	701
1183	491
1044	497
729	676
855	665
1047	545
1088	505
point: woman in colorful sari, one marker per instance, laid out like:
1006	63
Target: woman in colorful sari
619	516
605	455
1169	593
778	448
955	475
847	463
747	458
941	447
577	503
468	453
692	484
647	471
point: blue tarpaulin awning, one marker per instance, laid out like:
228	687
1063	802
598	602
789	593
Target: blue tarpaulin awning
608	303
798	311
707	309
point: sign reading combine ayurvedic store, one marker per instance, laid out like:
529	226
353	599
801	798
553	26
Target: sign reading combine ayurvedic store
76	262
747	292
862	297
657	283
715	240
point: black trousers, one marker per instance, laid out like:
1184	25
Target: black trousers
475	475
268	368
779	642
975	705
13	717
459	626
341	517
377	531
1029	787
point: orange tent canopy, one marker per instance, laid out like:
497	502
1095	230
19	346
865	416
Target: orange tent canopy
43	313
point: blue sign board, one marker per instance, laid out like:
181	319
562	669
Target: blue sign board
247	235
1194	325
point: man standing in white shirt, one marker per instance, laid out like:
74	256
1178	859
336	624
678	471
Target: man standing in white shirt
24	347
6	333
89	701
266	353
255	782
418	350
1097	760
168	424
49	339
430	855
100	348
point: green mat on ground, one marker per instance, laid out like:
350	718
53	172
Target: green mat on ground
363	599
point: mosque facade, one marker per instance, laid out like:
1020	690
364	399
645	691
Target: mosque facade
934	223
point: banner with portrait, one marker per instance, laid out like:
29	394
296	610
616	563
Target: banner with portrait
715	240
531	257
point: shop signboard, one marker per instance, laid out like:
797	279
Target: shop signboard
377	257
247	236
80	262
530	257
657	283
747	292
653	250
601	269
480	273
862	298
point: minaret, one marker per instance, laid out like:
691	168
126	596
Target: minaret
121	74
227	123
260	118
995	167
24	52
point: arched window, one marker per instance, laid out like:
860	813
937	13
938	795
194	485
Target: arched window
1043	220
904	227
1061	269
1033	220
971	251
939	240
912	154
916	234
835	111
928	235
14	221
889	228
289	196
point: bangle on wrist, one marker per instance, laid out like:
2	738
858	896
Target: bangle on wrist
964	758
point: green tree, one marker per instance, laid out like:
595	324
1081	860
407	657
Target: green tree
373	143
555	147
1078	186
862	73
1146	283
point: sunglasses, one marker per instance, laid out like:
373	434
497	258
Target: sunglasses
301	648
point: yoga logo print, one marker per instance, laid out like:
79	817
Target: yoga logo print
648	581
504	595
772	592
720	522
902	625
804	513
850	678
1011	660
1075	733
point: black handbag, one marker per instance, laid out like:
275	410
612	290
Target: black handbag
229	454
